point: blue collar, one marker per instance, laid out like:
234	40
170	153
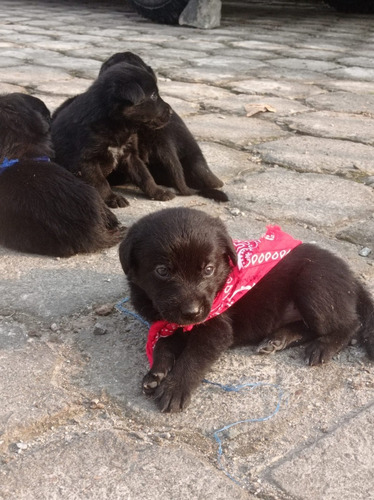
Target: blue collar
8	163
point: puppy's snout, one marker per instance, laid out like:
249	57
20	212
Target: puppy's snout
167	112
191	311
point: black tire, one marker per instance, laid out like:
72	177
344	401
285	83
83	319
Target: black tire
352	6
161	11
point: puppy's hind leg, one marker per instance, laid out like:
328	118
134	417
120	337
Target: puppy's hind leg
140	175
288	336
165	353
197	173
172	167
332	320
324	347
92	174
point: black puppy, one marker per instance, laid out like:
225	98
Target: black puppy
171	153
205	292
95	133
43	208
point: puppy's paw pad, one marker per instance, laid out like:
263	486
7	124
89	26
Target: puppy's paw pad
163	195
172	395
151	381
317	353
171	400
117	202
269	346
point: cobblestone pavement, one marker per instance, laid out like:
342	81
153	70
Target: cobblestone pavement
73	421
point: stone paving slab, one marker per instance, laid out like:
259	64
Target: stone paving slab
342	102
327	457
32	398
232	130
98	464
315	154
319	201
275	87
73	421
334	125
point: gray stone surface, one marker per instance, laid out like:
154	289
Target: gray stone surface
73	421
335	125
342	102
306	153
327	457
232	129
275	87
319	201
98	463
361	233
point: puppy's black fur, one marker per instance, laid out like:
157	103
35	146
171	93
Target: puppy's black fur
43	208
95	133
166	256
171	153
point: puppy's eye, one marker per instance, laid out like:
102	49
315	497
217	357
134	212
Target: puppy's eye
162	272
208	270
154	96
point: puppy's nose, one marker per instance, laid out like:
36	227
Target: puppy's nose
191	310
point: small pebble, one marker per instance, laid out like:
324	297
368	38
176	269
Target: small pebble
34	333
54	338
235	211
99	329
369	180
21	446
364	252
104	310
54	327
96	405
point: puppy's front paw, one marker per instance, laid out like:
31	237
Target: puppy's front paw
161	194
172	397
117	201
151	381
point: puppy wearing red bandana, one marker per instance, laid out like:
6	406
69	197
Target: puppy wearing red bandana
203	293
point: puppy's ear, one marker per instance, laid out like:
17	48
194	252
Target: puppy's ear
230	251
127	255
125	94
226	242
117	88
131	94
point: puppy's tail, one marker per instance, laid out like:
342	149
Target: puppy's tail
213	194
365	309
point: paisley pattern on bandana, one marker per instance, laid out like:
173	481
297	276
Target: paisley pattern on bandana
255	259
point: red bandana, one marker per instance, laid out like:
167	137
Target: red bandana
255	259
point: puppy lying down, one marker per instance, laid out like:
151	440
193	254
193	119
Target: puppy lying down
204	292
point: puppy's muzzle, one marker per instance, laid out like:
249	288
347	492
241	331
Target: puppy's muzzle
163	118
191	312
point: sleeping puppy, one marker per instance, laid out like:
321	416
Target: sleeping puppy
204	292
95	133
44	209
171	153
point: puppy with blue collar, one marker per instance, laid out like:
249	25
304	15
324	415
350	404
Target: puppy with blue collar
44	209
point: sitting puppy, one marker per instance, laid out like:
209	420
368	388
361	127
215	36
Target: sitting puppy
95	133
204	292
44	209
171	153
